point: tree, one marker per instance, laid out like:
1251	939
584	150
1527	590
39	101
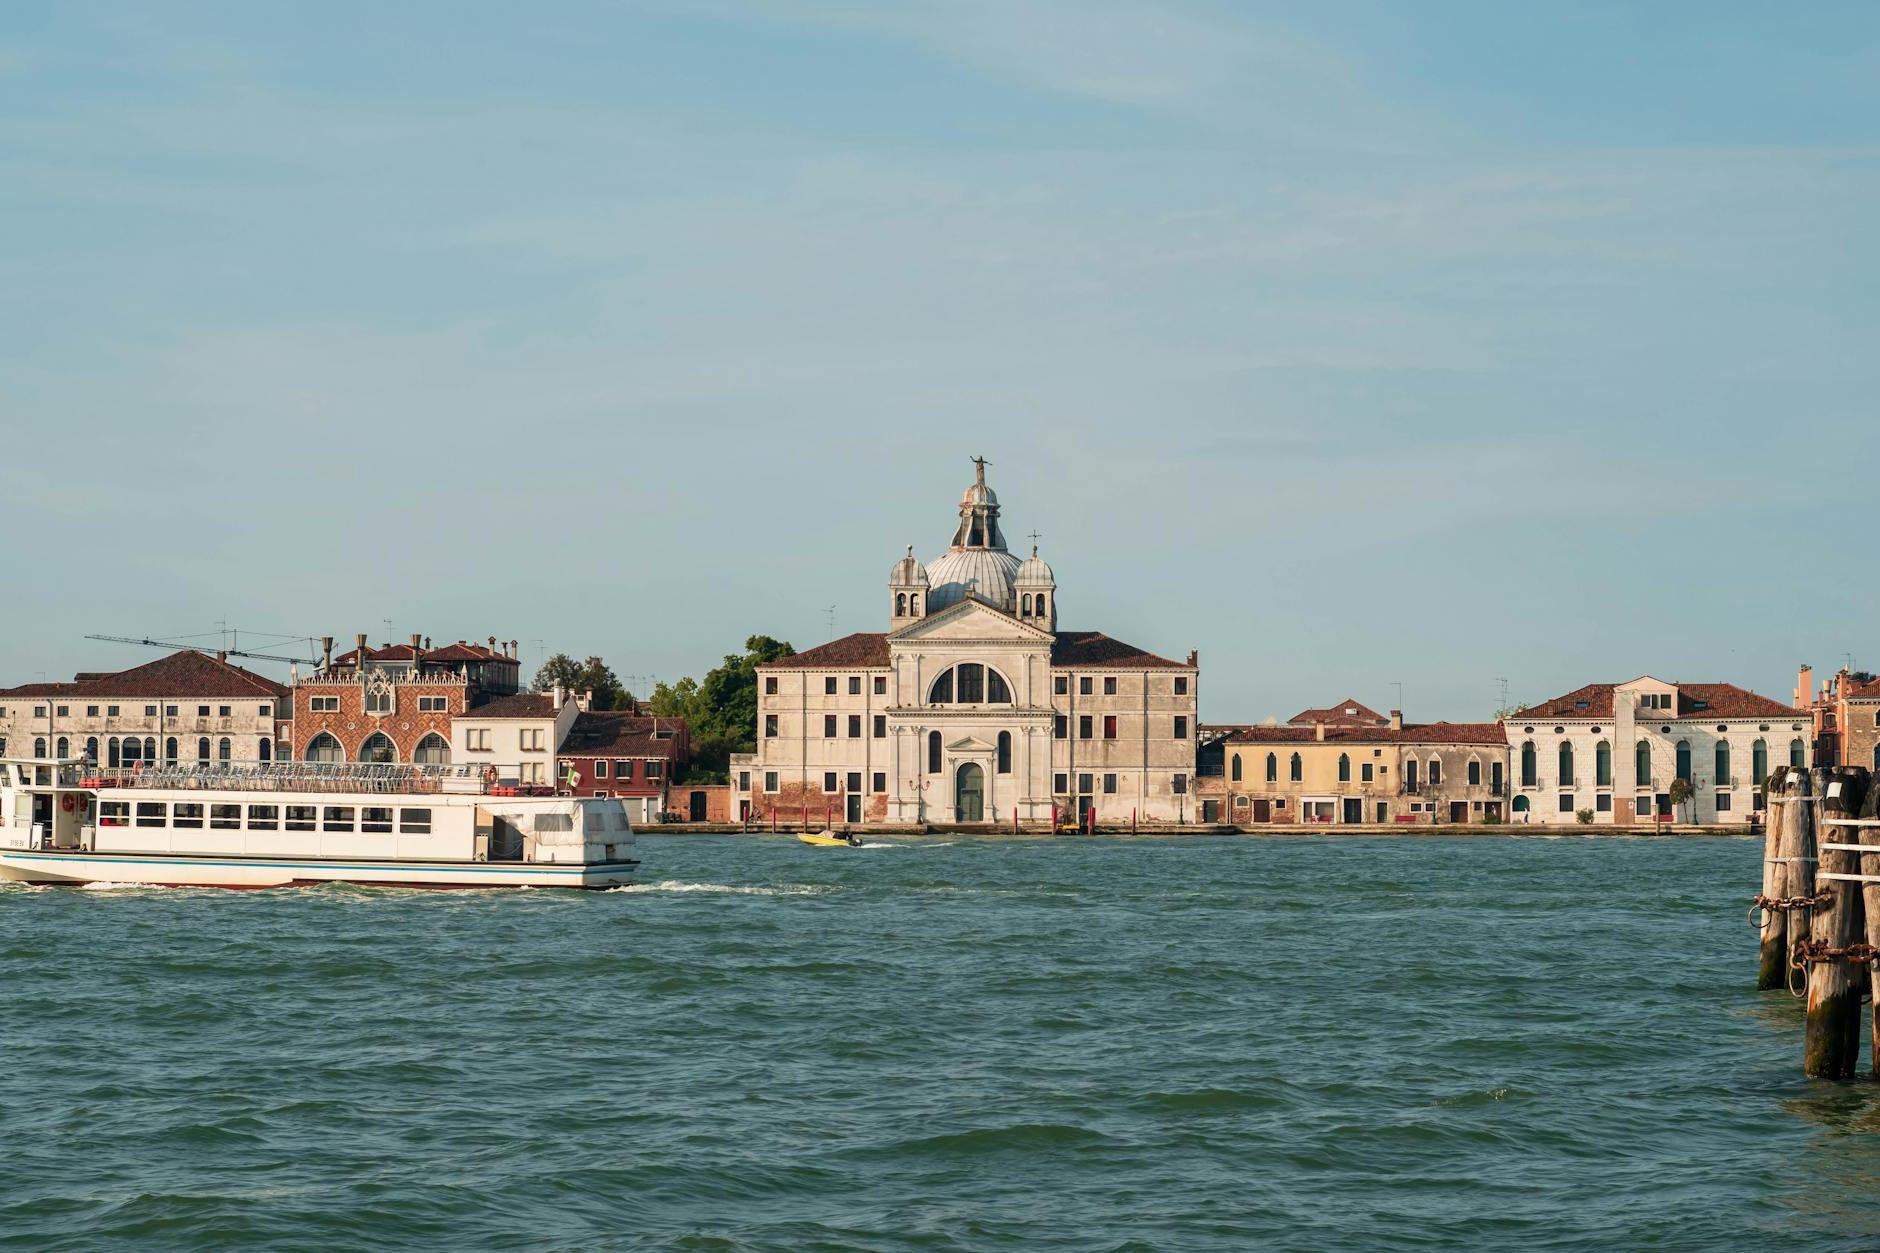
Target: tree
1681	794
592	675
720	710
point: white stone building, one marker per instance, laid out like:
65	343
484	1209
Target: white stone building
1614	749
973	707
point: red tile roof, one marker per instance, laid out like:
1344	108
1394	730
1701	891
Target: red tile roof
521	705
1344	713
1414	733
459	651
1096	651
609	733
187	673
864	650
1695	700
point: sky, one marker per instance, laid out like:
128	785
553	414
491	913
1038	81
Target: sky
1353	344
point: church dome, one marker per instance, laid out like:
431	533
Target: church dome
984	573
908	572
1034	571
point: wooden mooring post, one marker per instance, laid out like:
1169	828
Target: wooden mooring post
1831	1048
1786	800
1868	838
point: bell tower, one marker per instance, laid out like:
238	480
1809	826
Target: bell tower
907	590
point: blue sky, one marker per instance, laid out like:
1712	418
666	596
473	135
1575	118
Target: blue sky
1353	344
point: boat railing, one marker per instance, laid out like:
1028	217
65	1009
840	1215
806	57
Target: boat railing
402	778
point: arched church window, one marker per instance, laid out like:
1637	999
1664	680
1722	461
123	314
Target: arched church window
997	693
971	684
1005	752
900	604
1272	768
913	605
942	693
1024	605
933	752
1298	768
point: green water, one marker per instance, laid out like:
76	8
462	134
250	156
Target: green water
1311	1043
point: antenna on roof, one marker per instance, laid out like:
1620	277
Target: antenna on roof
1504	691
832	622
197	648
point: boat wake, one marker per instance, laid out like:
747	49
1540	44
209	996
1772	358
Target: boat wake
674	885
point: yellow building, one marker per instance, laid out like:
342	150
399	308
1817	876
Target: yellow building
1357	771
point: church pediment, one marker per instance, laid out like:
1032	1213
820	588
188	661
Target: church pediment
970	620
971	744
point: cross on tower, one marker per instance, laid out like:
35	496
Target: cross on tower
980	472
1035	537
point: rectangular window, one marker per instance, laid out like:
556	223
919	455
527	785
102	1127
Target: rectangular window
1723	802
855	685
881	782
323	704
63	710
264	817
1109	785
829	781
1084	726
881	726
655	770
1181	687
881	685
1060	727
1603	802
152	813
375	820
770	780
829	686
855	780
169	711
1566	802
770	687
1109	726
477	739
91	711
1083	687
1364	772
263	711
337	818
1180	785
150	711
531	739
623	770
600	769
1083	783
225	817
1060	784
202	711
111	711
1181	728
1109	687
225	711
114	813
829	726
770	726
855	726
744	780
414	822
300	817
186	814
1061	685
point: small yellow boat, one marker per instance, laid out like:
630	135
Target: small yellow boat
826	839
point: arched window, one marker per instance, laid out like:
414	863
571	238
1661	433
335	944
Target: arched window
1410	773
1759	761
378	747
1436	772
1040	605
1236	767
133	750
267	749
91	748
322	747
1475	772
1602	764
1566	764
1024	605
900	604
65	748
933	752
202	749
1005	752
1642	763
1798	753
432	750
913	604
1684	760
150	748
39	746
171	749
1876	717
1529	770
1298	768
1344	768
1723	764
970	683
1272	768
111	749
225	750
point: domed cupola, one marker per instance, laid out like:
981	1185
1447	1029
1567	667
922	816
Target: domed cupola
907	585
1036	588
977	565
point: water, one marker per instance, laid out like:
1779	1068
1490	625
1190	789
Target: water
1312	1043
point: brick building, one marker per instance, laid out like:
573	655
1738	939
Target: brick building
188	706
632	756
396	702
1844	717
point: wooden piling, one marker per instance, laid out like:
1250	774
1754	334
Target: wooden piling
1831	1048
1786	796
1869	839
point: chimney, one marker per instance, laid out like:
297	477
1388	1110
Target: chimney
1396	719
557	696
221	655
1318	729
492	643
585	700
415	637
1804	686
1194	657
326	652
360	639
427	643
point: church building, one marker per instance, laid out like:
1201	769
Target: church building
973	706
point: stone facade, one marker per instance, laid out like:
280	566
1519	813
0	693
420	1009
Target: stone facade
397	702
1614	750
973	708
1366	770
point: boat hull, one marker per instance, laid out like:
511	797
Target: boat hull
184	870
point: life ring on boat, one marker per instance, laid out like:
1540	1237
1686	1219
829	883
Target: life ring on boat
68	802
489	776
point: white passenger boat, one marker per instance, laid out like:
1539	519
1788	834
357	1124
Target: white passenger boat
290	824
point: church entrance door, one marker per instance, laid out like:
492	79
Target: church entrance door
969	796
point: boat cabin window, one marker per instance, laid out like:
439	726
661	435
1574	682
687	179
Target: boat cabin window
374	820
554	822
186	814
152	813
264	817
338	818
300	817
595	820
225	817
114	813
414	821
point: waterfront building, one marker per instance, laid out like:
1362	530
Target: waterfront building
395	703
189	706
517	736
634	757
1614	749
974	706
1844	717
1365	768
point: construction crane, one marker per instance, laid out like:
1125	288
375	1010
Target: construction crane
227	652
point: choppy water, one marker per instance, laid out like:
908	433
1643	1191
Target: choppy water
1313	1043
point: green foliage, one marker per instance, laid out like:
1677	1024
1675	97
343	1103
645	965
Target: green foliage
1584	817
1491	819
720	710
592	675
1681	793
